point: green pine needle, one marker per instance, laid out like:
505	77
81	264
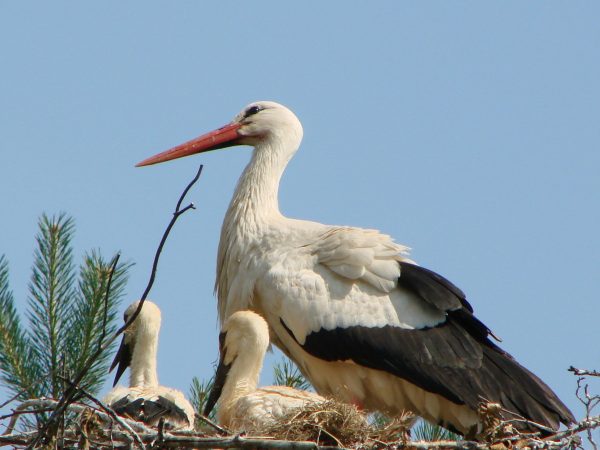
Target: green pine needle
87	316
18	371
51	292
66	314
199	391
425	431
286	373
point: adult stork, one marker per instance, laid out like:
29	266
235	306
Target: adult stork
145	400
243	342
364	323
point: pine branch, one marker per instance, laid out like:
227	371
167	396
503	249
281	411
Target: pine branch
93	317
51	296
286	373
17	371
65	323
199	391
425	431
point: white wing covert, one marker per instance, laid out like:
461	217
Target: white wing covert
358	254
343	277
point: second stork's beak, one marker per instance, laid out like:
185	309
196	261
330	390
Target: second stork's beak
223	137
219	379
122	359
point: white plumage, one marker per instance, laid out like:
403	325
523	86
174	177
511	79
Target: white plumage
363	323
145	399
241	406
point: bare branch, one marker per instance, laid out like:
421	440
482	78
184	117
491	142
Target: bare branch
584	372
210	423
113	268
567	435
13	398
583	395
178	212
107	415
188	187
17	438
160	438
21	410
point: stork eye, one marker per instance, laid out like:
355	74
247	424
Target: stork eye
252	110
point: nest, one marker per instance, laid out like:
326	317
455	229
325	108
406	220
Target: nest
333	423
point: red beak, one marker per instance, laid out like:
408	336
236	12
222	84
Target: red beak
223	137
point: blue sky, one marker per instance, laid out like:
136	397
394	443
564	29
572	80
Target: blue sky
466	130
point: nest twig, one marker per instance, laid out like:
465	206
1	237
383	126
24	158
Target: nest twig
328	423
334	423
317	428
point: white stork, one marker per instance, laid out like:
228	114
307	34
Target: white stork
242	406
364	323
145	400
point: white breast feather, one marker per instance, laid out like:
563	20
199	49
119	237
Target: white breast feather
265	405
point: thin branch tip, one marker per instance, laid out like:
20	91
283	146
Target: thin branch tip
583	372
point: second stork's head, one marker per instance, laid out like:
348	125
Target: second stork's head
265	125
243	342
139	340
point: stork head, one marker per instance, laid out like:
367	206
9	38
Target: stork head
242	331
147	321
243	342
258	123
145	326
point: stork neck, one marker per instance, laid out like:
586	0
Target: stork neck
143	361
255	200
242	380
253	208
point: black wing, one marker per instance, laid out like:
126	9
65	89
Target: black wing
162	407
150	411
455	359
134	409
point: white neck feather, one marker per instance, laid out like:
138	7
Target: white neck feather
255	199
242	380
143	371
254	205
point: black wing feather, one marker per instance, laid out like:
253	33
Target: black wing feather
126	407
455	359
436	290
150	411
162	407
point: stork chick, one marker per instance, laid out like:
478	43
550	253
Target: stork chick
145	400
242	406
